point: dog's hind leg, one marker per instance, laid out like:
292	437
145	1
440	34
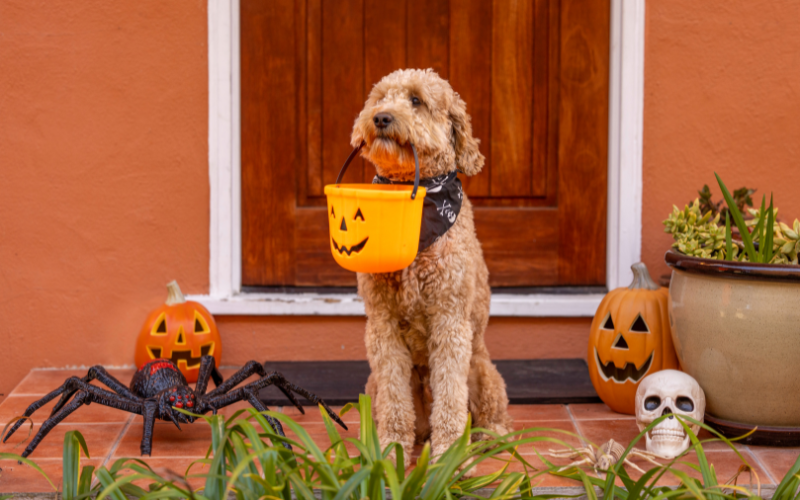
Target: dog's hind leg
488	400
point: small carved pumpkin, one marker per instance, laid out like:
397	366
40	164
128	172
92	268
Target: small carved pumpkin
179	330
630	338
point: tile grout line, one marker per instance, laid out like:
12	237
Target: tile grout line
757	459
575	423
119	439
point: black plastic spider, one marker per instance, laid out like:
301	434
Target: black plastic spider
158	388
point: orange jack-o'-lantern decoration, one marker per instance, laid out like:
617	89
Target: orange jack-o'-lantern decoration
374	228
180	330
630	338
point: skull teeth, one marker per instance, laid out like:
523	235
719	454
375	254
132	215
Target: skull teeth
667	434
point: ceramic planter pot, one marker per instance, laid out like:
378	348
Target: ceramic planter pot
736	329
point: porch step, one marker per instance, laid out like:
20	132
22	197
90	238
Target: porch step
528	381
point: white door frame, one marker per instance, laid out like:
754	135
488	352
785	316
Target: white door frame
623	247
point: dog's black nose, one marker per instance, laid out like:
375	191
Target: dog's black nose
382	120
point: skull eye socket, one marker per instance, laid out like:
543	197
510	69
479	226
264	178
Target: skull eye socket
684	404
652	403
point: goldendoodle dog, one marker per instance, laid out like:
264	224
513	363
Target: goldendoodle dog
425	324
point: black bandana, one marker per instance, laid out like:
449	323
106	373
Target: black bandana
439	209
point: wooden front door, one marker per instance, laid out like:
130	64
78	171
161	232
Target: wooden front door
534	74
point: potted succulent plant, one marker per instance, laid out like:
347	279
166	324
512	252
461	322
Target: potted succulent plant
735	316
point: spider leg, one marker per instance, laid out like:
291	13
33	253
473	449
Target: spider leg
575	464
35	406
633	465
261	407
67	390
577	452
650	457
276	378
47	426
85	394
100	374
250	368
291	398
207	370
282	382
149	406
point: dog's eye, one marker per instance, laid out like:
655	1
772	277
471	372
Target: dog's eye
415	101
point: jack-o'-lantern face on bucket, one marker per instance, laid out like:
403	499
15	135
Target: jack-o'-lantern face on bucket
181	331
350	241
374	228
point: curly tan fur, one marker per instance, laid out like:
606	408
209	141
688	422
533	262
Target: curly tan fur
425	324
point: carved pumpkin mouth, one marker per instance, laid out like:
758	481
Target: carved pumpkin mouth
622	375
353	249
185	356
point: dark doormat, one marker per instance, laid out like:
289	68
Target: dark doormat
528	381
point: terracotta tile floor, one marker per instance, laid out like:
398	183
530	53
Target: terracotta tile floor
112	434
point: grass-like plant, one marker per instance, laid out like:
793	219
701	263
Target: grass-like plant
763	230
243	463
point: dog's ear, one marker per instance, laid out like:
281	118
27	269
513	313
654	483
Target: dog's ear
468	157
359	129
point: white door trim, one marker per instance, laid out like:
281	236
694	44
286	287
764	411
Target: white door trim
623	248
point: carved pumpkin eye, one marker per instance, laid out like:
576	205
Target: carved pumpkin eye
608	324
639	325
200	324
358	214
333	213
160	325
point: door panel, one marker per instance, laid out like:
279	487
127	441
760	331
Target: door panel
534	74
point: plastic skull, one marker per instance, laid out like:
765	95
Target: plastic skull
668	392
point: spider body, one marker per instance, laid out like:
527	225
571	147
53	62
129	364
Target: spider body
158	389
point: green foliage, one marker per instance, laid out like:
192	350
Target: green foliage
742	197
763	238
242	462
698	235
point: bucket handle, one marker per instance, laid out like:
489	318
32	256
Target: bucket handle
355	152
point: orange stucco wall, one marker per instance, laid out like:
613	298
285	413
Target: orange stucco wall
104	169
722	93
104	174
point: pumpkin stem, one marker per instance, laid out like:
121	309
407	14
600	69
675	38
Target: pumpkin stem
641	278
174	294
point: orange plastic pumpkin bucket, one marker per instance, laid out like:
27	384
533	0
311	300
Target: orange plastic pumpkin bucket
374	228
